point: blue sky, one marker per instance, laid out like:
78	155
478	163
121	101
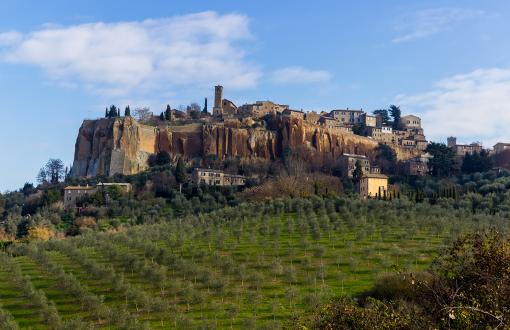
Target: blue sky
63	61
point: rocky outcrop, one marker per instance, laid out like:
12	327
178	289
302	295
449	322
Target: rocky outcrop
112	145
122	145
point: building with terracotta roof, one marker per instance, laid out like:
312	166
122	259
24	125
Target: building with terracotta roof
373	185
73	193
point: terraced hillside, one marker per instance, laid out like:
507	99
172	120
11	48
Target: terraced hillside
256	265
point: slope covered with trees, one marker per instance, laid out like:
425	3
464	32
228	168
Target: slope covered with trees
253	265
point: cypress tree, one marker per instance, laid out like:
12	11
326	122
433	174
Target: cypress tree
180	171
127	112
205	106
168	113
162	116
106	113
358	172
113	111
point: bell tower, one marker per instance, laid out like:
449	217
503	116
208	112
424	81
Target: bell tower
452	141
218	98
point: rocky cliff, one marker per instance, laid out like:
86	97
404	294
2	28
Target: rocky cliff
122	145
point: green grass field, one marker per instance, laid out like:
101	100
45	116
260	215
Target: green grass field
241	269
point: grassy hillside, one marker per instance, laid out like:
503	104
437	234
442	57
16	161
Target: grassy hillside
256	265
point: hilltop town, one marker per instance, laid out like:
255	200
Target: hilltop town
346	140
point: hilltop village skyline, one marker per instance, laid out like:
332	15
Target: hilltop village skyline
357	145
377	123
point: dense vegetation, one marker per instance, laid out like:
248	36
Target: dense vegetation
157	196
172	254
253	265
164	192
466	287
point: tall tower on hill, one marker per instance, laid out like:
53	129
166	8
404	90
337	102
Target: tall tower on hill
452	141
218	97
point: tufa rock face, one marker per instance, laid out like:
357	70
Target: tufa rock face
112	145
122	145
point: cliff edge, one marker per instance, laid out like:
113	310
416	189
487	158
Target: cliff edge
122	145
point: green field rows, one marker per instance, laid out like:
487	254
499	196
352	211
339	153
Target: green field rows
243	268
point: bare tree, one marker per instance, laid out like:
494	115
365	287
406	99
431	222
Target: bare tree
52	172
143	114
194	107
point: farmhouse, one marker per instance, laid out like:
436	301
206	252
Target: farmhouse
373	185
217	178
73	193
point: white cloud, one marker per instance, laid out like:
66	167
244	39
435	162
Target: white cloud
473	106
427	22
299	75
155	54
10	38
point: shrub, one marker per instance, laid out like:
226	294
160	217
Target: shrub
467	287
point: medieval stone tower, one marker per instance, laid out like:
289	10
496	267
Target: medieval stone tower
452	141
218	97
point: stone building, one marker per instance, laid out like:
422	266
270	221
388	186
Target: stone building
410	122
348	164
328	122
217	178
463	149
375	169
407	142
228	108
261	108
73	193
347	117
368	120
382	134
416	166
500	147
294	113
373	185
